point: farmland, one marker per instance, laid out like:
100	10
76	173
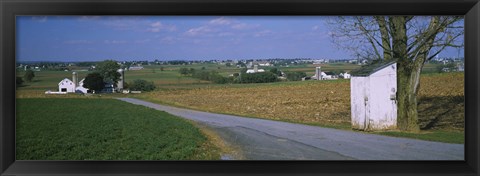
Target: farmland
104	129
322	103
315	102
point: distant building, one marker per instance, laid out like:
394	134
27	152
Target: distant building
136	68
373	97
81	89
264	64
319	75
255	69
66	85
108	88
328	75
69	86
345	75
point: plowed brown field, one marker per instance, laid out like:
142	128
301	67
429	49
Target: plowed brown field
318	102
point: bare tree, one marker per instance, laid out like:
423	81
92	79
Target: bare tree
408	40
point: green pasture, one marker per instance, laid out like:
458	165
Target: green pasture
103	129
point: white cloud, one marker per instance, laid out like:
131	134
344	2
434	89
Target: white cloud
199	31
316	27
220	21
221	27
158	26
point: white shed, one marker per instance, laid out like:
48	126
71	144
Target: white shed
373	97
66	85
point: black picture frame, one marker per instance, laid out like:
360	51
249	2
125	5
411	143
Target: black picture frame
11	8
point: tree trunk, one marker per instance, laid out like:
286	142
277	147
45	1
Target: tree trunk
408	74
408	78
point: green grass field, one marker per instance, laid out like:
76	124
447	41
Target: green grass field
103	129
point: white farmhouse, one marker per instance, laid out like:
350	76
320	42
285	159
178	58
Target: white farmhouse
373	97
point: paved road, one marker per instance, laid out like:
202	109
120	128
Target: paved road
261	139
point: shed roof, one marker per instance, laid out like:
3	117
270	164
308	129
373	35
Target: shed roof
367	70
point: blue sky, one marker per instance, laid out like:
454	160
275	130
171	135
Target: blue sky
95	38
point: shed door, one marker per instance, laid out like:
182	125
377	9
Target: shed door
359	104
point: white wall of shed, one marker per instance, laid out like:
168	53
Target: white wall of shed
359	89
383	110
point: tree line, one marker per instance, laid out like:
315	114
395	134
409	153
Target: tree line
241	77
106	72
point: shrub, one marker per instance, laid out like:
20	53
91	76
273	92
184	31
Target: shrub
262	77
29	75
295	76
109	70
184	71
141	85
276	71
94	81
446	68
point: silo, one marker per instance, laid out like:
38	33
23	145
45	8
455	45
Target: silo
255	68
121	81
318	73
74	79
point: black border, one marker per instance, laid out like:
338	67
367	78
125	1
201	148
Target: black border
10	8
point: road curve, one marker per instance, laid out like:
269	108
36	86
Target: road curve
261	139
